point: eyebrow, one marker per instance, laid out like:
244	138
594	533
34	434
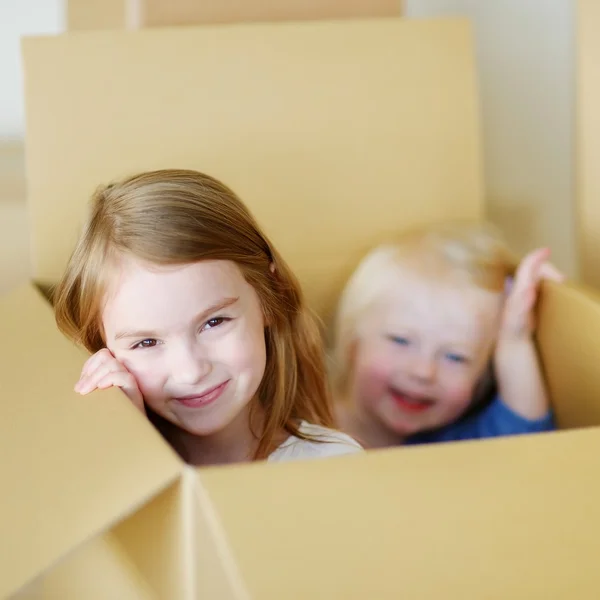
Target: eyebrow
145	333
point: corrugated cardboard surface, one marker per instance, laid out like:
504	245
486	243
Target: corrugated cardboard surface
14	234
588	137
494	519
158	540
569	341
153	13
89	14
119	14
96	571
69	466
332	133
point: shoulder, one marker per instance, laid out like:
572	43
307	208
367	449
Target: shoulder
324	443
502	420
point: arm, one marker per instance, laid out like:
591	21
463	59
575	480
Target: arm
493	420
518	371
520	379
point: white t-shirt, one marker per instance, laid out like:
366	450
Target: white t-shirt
331	443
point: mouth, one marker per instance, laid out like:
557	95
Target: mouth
205	398
409	403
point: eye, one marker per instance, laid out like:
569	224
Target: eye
149	343
456	358
212	323
399	340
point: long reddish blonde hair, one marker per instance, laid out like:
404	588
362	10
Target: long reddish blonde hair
172	217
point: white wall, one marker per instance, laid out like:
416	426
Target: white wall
17	18
526	70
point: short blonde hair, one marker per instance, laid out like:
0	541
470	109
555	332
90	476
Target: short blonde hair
473	253
173	217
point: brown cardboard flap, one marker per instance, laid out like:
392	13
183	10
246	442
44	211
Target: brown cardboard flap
511	518
159	540
587	137
153	13
71	465
217	574
148	556
569	343
99	570
334	134
120	14
108	14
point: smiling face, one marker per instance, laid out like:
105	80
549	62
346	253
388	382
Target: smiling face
421	350
193	338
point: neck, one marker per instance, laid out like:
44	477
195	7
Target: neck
235	443
369	431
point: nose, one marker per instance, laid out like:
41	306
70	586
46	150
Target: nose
422	368
189	364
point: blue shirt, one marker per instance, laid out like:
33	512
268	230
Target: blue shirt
493	420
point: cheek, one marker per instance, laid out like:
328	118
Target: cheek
148	370
458	390
373	369
243	351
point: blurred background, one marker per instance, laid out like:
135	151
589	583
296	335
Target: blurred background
526	57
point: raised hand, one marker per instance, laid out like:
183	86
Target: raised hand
517	320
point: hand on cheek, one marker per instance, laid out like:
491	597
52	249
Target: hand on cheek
102	371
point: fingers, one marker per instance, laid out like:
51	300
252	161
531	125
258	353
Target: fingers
533	268
92	363
528	271
126	382
90	381
102	371
550	272
518	312
96	366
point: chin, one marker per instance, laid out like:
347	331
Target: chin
203	429
405	430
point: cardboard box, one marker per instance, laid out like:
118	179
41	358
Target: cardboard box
302	120
14	239
587	132
308	122
134	14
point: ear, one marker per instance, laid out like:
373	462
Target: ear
272	267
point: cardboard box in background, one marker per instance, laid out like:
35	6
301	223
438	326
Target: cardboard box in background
134	14
587	129
376	121
305	121
14	238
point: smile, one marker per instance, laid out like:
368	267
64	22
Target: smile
409	403
205	398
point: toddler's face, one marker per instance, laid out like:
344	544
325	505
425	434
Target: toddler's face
421	351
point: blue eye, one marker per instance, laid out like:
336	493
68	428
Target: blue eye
456	358
399	340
